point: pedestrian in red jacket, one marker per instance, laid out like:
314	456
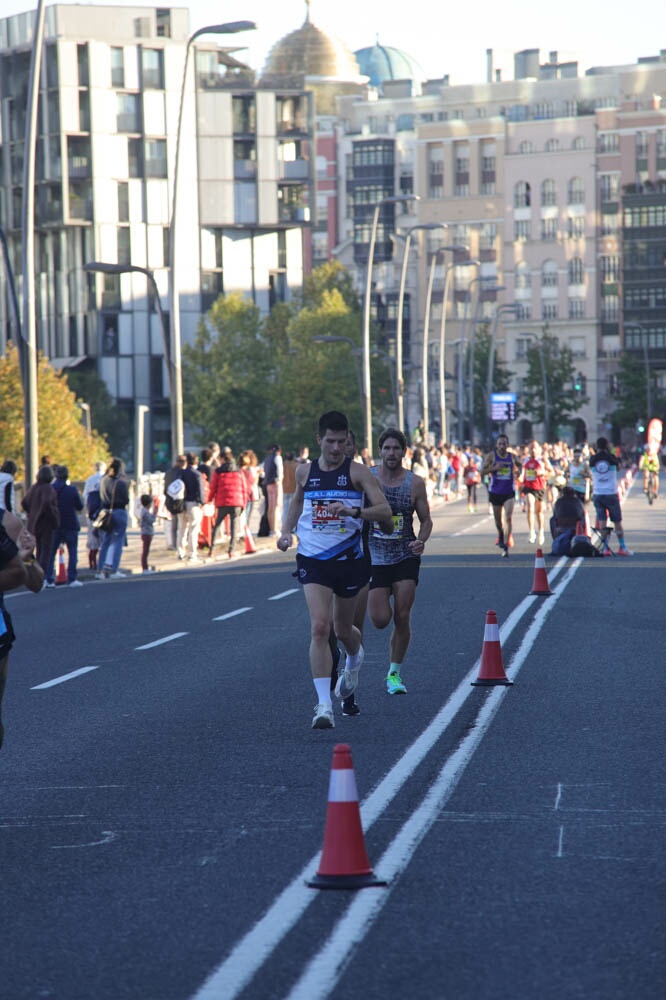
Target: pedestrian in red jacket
229	491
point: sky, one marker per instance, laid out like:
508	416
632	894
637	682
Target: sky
593	32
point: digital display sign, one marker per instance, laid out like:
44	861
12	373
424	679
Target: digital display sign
503	406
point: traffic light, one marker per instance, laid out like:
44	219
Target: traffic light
640	426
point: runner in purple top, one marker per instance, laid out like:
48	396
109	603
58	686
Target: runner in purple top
502	466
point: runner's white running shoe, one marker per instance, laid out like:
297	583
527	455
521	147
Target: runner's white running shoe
323	717
348	679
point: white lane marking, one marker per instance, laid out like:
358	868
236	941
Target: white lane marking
560	843
107	837
470	527
252	950
63	678
324	970
558	797
231	614
160	642
285	593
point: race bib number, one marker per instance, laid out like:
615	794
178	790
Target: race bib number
398	523
505	471
530	474
323	520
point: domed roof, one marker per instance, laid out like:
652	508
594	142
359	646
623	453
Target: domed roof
381	62
308	50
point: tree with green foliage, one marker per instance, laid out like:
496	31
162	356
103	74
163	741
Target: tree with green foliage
248	382
60	431
631	395
550	396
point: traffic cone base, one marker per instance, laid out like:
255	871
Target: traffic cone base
344	860
62	572
491	670
540	585
249	542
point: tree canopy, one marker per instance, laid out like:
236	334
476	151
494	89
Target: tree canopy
550	396
61	433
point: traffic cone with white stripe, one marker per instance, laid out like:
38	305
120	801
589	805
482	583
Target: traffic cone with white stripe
62	572
491	671
540	585
249	541
344	860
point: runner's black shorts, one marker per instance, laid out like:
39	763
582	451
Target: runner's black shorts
345	577
537	494
499	499
386	576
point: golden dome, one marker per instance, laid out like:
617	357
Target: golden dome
309	51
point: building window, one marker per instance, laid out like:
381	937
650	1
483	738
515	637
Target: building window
521	195
609	187
523	310
521	229
124	247
156	161
435	171
135	157
128	113
523	276
123	201
152	69
549	229
549	274
576	227
575	271
575	192
610	269
549	310
244	114
609	142
526	146
548	193
82	65
552	146
576	308
117	67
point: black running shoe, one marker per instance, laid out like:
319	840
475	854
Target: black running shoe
349	706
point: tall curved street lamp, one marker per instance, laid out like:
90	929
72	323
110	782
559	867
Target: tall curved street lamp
490	288
456	248
400	383
461	361
367	392
175	374
442	342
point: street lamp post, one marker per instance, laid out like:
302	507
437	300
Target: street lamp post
175	374
461	361
510	307
104	268
367	398
86	409
141	411
495	289
400	390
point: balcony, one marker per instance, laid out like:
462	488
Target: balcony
293	170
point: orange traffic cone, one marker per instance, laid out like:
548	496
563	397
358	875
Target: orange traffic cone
344	860
249	541
540	584
62	572
491	671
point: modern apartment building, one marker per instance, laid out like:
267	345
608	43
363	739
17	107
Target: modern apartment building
110	90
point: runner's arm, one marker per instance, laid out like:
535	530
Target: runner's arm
422	508
295	507
379	508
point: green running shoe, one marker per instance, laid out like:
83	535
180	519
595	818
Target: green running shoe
394	684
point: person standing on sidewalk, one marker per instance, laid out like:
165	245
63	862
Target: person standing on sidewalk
67	533
396	557
189	520
114	496
328	513
147	528
229	492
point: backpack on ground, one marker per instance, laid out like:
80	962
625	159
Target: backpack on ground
581	546
174	500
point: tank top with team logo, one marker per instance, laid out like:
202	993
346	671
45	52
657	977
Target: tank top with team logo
321	534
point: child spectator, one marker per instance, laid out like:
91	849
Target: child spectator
147	525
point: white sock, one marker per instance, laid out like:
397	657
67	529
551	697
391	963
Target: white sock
352	660
323	689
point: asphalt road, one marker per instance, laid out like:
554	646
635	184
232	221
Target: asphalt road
163	797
